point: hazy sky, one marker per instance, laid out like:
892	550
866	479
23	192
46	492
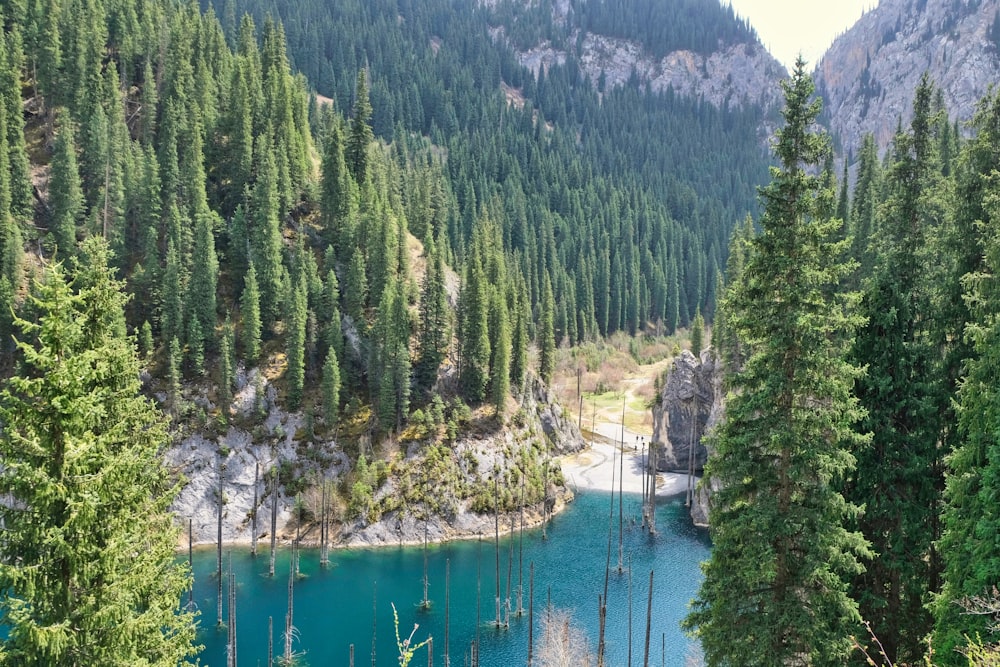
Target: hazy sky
787	27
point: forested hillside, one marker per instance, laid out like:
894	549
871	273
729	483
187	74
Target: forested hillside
625	196
857	462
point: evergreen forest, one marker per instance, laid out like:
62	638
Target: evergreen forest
377	204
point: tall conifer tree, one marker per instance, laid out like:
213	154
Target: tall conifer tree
89	571
895	476
774	591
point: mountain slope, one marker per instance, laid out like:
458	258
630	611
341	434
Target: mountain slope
708	54
869	74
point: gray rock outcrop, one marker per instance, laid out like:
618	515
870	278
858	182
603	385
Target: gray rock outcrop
869	74
690	406
741	74
682	416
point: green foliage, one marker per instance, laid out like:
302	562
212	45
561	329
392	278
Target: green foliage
902	396
969	539
295	338
360	136
331	388
697	333
250	313
546	335
65	191
88	554
774	590
474	338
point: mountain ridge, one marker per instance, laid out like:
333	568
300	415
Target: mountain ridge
869	74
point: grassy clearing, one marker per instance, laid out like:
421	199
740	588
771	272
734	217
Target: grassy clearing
621	369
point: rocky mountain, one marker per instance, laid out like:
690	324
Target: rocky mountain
868	76
739	71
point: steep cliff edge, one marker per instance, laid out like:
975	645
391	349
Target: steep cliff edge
689	407
869	74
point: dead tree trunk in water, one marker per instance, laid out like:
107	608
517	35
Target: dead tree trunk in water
218	547
289	617
274	515
425	603
649	614
253	512
447	609
496	538
531	610
621	491
191	564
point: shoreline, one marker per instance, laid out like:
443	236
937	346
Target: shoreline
589	469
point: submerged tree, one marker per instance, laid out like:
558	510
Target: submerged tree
88	564
774	590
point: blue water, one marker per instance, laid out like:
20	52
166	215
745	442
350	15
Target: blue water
334	606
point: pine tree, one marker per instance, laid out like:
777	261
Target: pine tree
250	313
335	189
968	542
331	388
519	335
356	290
360	135
500	337
547	334
88	537
895	477
697	333
474	342
296	343
225	379
65	191
434	334
265	233
773	591
204	275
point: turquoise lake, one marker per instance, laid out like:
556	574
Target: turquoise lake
334	605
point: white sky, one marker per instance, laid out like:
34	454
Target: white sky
787	27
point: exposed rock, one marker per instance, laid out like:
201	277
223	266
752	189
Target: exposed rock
562	433
691	405
869	74
278	438
682	416
742	74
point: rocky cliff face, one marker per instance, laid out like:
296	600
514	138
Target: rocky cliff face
267	437
869	74
690	406
741	74
688	409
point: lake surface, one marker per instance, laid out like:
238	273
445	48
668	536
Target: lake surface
334	605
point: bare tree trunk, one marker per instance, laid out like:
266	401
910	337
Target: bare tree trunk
270	641
621	478
218	547
447	609
531	609
496	538
253	512
289	617
520	554
425	603
649	614
274	515
191	563
374	618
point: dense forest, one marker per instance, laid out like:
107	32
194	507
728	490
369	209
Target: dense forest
857	460
625	196
183	195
